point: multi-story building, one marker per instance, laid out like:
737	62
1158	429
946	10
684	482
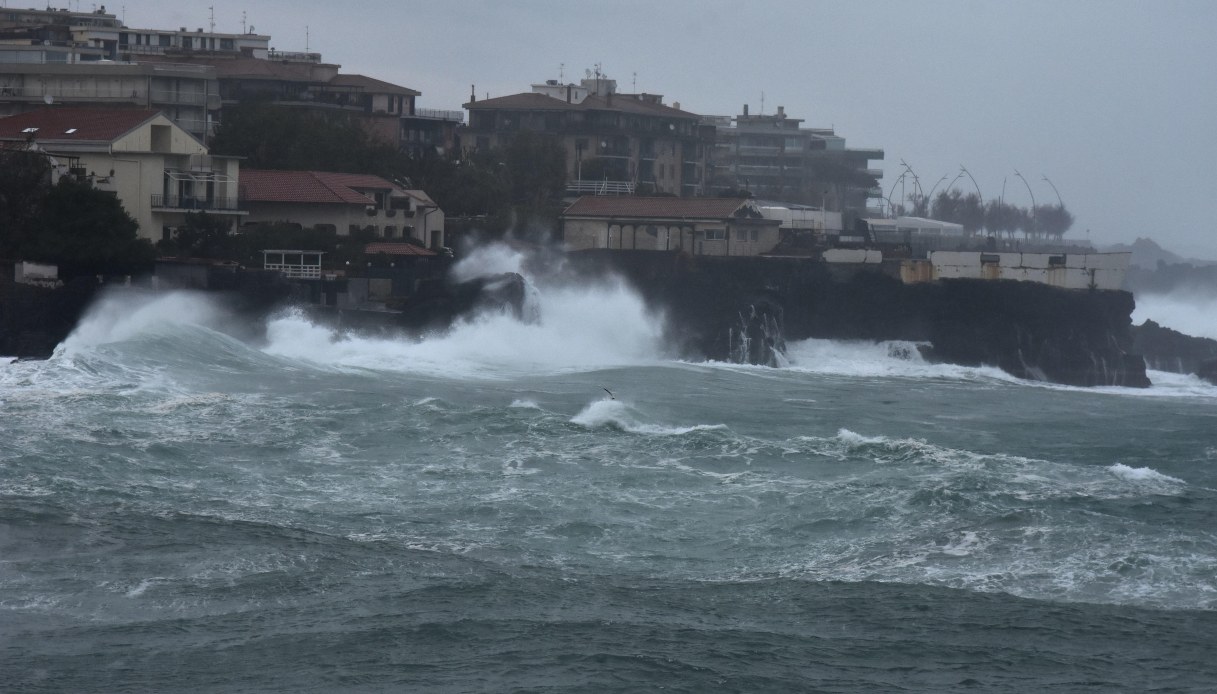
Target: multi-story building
74	59
613	142
157	170
91	59
775	158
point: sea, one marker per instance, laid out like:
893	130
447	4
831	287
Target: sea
557	502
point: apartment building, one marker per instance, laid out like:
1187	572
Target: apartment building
774	157
614	142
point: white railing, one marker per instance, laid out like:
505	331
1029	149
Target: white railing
296	272
458	116
601	187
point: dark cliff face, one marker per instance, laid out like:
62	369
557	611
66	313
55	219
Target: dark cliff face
34	320
1171	350
1029	330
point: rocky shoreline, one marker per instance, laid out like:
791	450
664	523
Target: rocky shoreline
745	309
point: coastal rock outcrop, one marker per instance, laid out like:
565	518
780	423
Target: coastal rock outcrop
1030	330
1165	349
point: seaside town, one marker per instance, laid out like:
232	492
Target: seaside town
186	158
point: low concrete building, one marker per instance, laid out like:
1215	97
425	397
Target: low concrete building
700	226
343	203
157	170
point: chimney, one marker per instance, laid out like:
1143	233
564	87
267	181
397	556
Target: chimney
472	94
569	87
745	110
676	105
781	111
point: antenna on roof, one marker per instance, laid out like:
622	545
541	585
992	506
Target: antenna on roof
242	21
634	83
762	103
211	26
561	72
306	38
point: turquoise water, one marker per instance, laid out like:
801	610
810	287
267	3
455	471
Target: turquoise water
180	509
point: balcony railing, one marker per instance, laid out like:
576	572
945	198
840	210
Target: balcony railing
162	96
457	116
600	187
177	202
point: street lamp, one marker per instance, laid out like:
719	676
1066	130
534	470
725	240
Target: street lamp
1058	193
1033	205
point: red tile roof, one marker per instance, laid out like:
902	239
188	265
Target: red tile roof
74	124
655	208
371	86
531	101
262	185
396	249
528	100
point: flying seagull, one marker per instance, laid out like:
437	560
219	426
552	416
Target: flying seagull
611	396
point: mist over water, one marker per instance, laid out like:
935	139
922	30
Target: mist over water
471	511
1192	312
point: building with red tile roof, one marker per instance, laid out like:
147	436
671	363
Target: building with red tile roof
343	203
699	226
157	170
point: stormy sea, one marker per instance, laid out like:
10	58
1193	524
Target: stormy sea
559	503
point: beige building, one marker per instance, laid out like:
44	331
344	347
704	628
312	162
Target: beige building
343	203
157	170
700	226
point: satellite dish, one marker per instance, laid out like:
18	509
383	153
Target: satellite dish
48	99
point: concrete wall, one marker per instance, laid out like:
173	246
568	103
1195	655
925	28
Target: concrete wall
852	255
1064	270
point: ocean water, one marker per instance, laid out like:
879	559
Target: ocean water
181	509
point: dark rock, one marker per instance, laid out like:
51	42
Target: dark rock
1208	371
1030	330
1170	350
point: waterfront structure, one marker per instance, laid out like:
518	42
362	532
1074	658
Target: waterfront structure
774	157
698	226
157	170
1061	270
343	203
615	143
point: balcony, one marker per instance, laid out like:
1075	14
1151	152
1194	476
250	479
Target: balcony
161	96
439	114
600	187
177	202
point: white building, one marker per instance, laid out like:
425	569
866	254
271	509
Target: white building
157	170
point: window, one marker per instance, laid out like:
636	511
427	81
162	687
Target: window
754	235
226	44
390	231
715	234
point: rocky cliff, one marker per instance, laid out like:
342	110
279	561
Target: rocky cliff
741	309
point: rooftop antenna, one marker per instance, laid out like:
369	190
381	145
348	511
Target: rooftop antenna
211	27
762	103
634	83
242	21
561	73
306	38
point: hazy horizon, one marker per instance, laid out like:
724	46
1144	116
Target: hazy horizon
1106	101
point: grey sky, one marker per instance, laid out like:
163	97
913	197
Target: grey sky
1115	102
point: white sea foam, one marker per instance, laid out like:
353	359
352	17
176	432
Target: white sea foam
584	327
892	358
121	316
619	415
1189	311
1141	474
525	404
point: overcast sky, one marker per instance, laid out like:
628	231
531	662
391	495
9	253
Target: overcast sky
1115	102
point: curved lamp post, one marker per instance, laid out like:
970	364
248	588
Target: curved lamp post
1058	193
1033	205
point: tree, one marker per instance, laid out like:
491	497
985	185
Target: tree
275	137
25	181
1053	220
1002	217
536	167
86	231
202	236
